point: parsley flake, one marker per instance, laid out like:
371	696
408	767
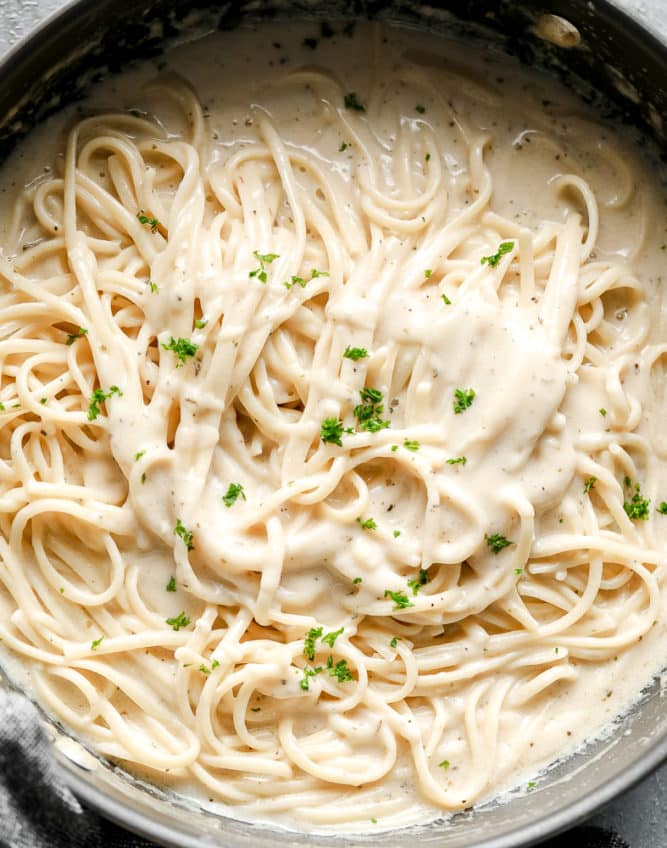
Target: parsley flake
662	509
171	585
419	108
400	599
427	273
370	409
457	460
589	484
493	260
152	286
394	642
357	580
98	397
183	348
185	535
304	683
72	337
368	524
637	507
147	219
602	411
446	300
181	620
263	259
422	580
331	431
498	542
309	642
330	638
463	400
444	764
233	492
343	147
411	445
200	323
94	645
355	353
138	455
340	670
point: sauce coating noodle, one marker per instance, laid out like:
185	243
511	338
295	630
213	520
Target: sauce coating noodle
328	453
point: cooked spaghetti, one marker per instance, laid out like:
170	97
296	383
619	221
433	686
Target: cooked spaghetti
320	468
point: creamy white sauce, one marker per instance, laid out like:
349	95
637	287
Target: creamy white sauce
369	197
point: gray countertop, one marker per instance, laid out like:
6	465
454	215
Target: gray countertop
640	816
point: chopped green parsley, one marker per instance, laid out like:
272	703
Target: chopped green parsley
152	286
419	108
304	683
603	411
444	764
234	491
138	455
179	621
498	542
637	507
171	584
94	645
330	638
331	431
264	259
495	258
427	273
309	642
662	509
357	580
457	460
343	147
98	397
340	670
370	409
368	524
446	300
355	353
146	219
394	642
463	400
185	535
72	337
397	533
352	102
295	281
183	348
422	580
589	484
400	599
200	323
411	445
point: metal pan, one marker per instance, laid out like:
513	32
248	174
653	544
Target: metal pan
612	61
